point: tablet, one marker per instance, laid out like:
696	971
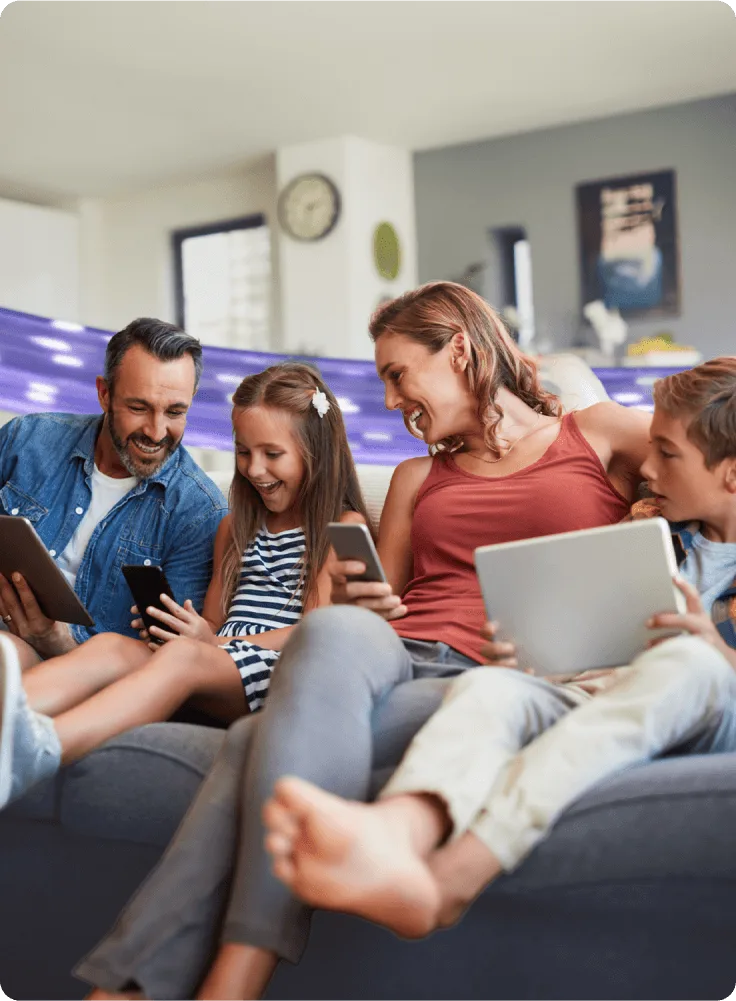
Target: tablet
21	550
579	600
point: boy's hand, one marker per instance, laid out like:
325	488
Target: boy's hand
695	620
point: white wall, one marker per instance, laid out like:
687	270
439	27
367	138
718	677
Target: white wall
39	260
529	180
126	262
330	286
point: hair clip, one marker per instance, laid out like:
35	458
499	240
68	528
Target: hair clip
320	402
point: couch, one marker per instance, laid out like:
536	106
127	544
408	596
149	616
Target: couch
632	896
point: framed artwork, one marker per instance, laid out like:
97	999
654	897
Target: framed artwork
629	253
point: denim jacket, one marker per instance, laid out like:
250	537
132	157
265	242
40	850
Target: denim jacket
723	612
167	520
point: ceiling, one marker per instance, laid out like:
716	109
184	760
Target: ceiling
104	97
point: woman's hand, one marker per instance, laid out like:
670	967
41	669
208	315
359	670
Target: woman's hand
379	598
181	620
496	652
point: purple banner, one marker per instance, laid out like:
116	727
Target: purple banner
49	365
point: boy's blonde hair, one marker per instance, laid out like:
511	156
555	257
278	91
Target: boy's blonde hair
705	397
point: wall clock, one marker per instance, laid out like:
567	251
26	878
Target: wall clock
386	251
309	207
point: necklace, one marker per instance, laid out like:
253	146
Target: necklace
513	443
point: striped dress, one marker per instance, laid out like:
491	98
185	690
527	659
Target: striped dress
268	596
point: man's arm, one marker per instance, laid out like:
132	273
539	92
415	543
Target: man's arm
188	561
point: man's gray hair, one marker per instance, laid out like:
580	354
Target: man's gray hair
162	340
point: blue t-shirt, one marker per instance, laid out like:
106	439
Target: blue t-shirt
710	567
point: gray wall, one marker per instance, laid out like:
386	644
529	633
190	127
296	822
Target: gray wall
529	180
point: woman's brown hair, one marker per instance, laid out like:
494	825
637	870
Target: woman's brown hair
330	485
432	314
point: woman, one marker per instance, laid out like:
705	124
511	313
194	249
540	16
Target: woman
354	684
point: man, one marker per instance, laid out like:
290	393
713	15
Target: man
103	492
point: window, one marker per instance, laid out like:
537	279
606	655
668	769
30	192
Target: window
223	282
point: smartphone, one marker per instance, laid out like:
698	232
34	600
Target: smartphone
354	542
146	584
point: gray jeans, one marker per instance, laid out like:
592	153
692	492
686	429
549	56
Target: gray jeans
345	701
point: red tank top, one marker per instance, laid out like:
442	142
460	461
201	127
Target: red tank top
455	512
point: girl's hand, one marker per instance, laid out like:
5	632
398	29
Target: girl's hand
695	620
377	597
182	620
137	623
496	652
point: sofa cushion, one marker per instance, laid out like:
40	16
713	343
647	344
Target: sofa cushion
116	790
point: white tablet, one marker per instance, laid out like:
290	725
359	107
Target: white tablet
579	600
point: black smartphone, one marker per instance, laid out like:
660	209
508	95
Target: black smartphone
146	585
353	541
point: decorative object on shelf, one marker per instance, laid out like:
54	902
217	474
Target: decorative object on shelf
309	207
661	351
386	251
610	328
629	254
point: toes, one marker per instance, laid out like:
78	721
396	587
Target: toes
284	869
278	845
298	796
278	818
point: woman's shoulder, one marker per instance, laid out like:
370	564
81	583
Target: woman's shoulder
412	472
612	419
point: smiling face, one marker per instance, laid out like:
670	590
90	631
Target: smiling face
430	389
677	475
145	413
269	456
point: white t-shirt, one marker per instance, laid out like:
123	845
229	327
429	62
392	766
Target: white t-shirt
106	492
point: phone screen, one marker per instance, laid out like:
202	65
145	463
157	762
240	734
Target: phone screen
146	585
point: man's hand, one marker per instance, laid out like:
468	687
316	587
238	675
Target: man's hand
377	597
694	620
23	617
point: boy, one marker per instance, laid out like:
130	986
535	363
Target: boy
506	754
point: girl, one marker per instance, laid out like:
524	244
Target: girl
356	683
294	473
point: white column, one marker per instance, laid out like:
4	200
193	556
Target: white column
330	287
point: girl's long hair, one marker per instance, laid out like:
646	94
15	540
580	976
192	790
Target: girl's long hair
330	484
432	314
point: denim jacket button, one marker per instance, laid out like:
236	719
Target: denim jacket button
79	510
146	563
52	552
14	511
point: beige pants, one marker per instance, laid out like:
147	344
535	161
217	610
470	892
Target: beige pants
508	752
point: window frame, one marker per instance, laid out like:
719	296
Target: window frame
178	236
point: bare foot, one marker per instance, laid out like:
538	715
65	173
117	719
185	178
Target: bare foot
349	856
462	871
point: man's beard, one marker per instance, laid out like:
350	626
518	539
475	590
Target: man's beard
138	465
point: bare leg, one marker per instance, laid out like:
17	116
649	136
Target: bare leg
27	656
58	684
369	860
179	670
462	870
239	971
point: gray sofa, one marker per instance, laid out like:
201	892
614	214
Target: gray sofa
631	897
